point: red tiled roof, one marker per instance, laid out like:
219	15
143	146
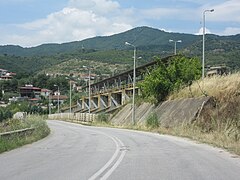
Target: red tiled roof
34	99
45	90
31	88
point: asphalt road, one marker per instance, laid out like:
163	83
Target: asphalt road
79	152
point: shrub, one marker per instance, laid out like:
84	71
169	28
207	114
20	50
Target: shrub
167	77
103	117
5	114
152	121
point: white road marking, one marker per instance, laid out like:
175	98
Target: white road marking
117	157
118	144
110	171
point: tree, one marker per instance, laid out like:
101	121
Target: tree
5	113
169	76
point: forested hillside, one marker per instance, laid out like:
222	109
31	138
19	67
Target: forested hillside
112	49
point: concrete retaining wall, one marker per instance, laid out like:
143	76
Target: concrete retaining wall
169	113
124	117
175	112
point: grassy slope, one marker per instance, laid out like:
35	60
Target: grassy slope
219	125
14	141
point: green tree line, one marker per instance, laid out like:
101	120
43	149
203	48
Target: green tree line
169	76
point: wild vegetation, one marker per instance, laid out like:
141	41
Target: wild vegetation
220	124
169	76
5	113
149	42
178	78
75	67
40	131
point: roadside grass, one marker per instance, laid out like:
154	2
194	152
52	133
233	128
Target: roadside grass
222	88
219	125
215	138
39	124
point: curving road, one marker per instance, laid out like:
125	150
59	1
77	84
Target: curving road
79	152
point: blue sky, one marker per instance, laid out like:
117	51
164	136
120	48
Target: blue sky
34	22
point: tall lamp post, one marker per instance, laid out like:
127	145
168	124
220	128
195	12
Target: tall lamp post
134	80
175	45
70	96
203	53
58	97
49	103
89	90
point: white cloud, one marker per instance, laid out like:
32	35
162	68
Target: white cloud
231	30
73	23
83	19
200	32
159	13
98	6
228	11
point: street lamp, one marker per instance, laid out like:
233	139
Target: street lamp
134	80
70	96
175	45
58	97
89	90
49	103
203	53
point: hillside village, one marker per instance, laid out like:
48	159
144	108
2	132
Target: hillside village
6	75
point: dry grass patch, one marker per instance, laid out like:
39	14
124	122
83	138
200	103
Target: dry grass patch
222	88
218	125
215	138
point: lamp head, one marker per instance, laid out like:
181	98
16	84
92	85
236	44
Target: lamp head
127	43
211	10
170	40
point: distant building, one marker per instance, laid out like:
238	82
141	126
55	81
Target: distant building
61	98
45	92
217	70
5	75
3	72
17	99
30	92
79	88
86	76
11	74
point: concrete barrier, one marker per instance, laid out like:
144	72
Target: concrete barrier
84	117
19	132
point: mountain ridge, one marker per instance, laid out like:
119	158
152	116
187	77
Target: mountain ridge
140	36
112	49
